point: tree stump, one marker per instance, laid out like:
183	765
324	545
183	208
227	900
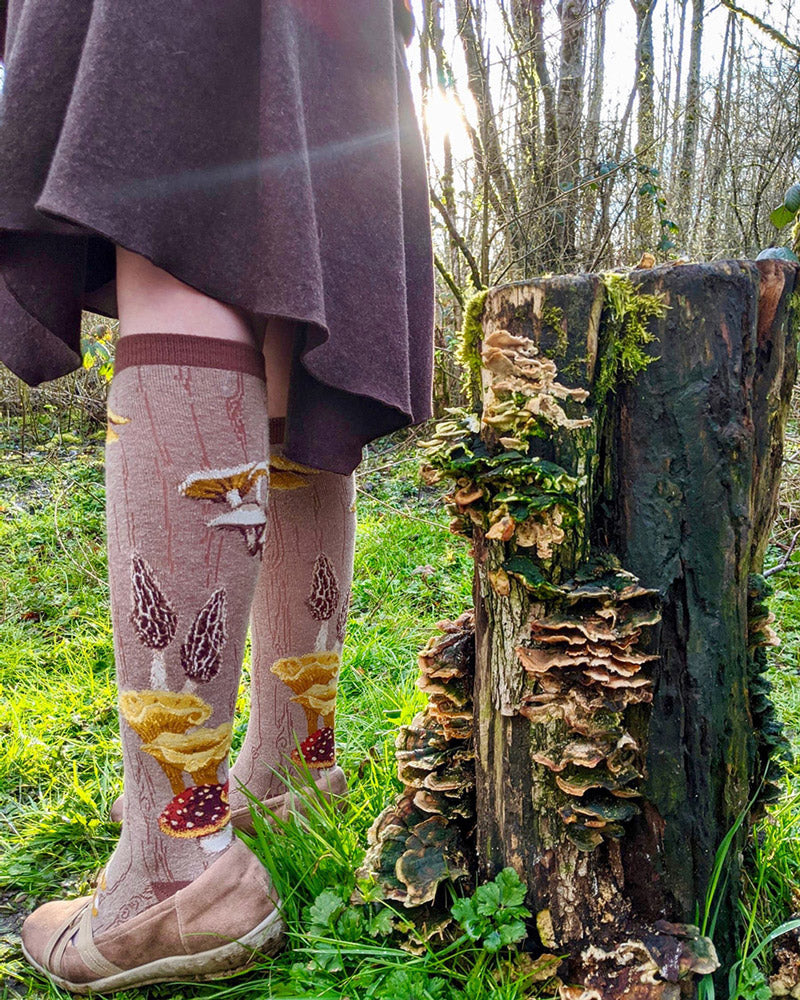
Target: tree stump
621	720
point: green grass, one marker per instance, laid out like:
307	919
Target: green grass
60	764
60	761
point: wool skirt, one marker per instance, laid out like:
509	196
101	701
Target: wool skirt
265	152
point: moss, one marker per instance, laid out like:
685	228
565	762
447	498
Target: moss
469	353
553	316
624	333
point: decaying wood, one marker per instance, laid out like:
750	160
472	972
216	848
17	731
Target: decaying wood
679	475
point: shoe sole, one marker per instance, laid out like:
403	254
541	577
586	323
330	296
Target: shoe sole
237	956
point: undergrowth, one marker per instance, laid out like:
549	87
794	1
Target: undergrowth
60	765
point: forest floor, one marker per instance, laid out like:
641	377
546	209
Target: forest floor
60	765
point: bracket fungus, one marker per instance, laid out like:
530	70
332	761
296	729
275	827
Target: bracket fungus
585	665
421	840
650	963
773	747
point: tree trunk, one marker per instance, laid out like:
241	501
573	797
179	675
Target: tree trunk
621	722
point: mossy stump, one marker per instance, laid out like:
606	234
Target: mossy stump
622	722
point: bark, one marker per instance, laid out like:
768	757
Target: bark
691	118
645	141
573	15
682	470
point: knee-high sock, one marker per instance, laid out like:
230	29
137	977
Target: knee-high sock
298	622
186	481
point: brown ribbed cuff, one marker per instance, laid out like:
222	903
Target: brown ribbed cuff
277	430
181	349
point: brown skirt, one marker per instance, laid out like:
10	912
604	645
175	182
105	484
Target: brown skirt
265	152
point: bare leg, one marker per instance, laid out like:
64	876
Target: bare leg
150	300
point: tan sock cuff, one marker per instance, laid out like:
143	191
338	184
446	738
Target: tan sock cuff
181	349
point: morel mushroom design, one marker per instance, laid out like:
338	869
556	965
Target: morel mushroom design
150	713
313	677
197	754
244	490
202	812
324	597
152	616
201	654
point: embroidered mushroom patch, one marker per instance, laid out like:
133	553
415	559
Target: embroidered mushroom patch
243	491
313	677
170	726
152	616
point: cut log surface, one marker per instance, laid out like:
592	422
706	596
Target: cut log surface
680	474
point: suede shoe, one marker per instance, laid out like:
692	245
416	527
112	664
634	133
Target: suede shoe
218	925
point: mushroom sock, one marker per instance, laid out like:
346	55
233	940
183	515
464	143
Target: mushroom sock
297	624
186	487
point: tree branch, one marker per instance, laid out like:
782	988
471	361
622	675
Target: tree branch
773	33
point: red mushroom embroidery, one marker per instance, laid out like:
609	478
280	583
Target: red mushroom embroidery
201	654
318	750
152	616
201	812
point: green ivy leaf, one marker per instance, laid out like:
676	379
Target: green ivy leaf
781	216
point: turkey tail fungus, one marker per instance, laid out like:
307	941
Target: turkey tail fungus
617	487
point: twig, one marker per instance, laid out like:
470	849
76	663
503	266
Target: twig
84	569
402	513
786	557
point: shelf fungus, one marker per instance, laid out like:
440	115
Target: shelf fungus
585	666
421	840
657	962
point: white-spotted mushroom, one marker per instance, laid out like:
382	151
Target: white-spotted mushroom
201	813
318	750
